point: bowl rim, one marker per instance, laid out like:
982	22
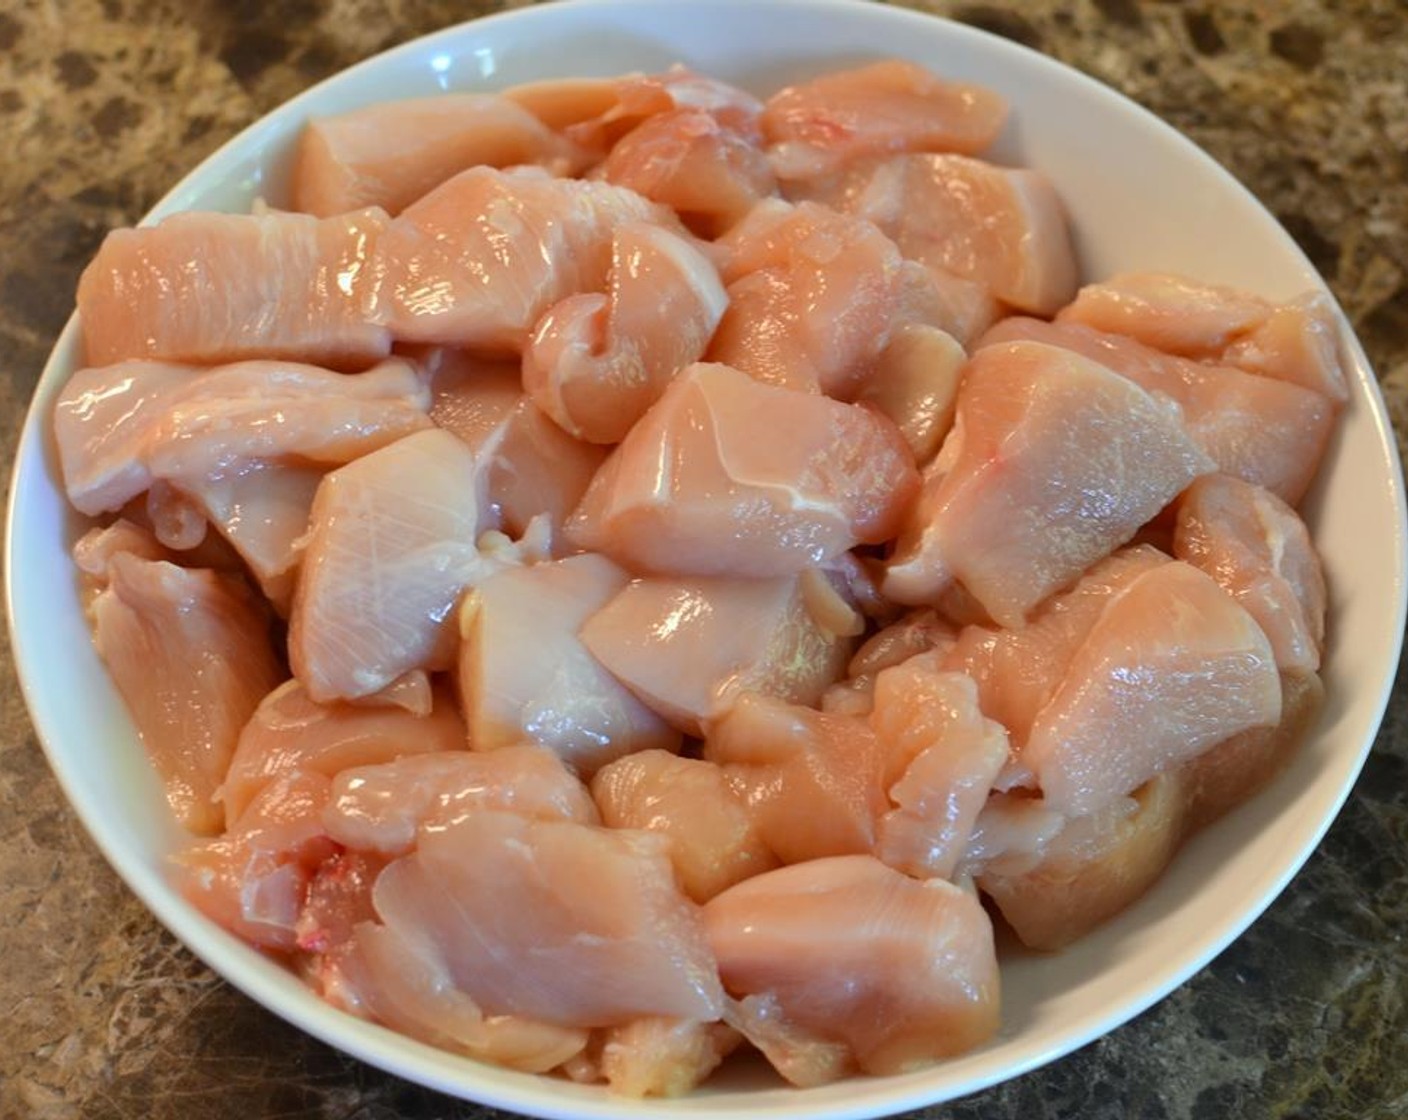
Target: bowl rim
266	982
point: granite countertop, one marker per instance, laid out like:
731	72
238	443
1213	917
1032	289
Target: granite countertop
105	103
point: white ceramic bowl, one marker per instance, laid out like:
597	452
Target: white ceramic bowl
1140	196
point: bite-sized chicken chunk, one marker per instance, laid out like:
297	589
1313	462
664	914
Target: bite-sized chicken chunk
815	128
189	650
1269	432
814	782
526	677
210	288
379	807
1172	667
1259	552
812	296
1297	341
900	971
688	648
391	153
728	476
527	465
1001	227
254	879
597	361
1055	462
391	549
119	428
1092	868
946	755
479	259
556	921
917	632
291	731
686	159
713	842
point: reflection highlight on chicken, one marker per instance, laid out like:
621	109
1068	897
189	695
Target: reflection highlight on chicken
623	572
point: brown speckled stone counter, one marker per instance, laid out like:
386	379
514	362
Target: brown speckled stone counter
105	103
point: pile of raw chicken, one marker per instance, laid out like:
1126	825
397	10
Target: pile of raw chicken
620	569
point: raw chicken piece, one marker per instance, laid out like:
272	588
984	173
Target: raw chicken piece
689	648
210	288
901	971
1258	429
640	97
813	781
915	383
713	843
562	102
254	879
571	925
947	755
1259	552
391	153
1093	868
290	731
1172	667
1224	776
526	677
596	361
380	807
812	295
528	466
709	174
391	549
263	511
1055	462
1018	670
663	1057
403	981
189	651
711	482
817	127
120	427
478	260
1001	227
1296	341
1172	313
